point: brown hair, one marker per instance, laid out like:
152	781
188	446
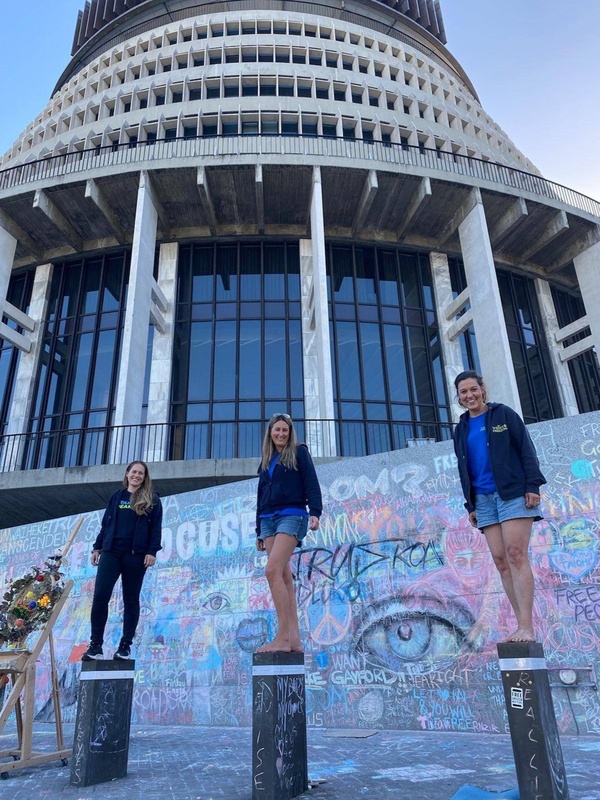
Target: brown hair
287	457
470	374
142	499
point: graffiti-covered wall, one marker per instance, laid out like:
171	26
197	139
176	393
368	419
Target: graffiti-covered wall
399	602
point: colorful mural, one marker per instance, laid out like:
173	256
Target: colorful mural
400	604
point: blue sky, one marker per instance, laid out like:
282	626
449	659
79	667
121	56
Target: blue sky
533	63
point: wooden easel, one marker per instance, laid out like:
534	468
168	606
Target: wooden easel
20	667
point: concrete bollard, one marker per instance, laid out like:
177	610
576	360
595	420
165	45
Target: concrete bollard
533	730
101	742
279	757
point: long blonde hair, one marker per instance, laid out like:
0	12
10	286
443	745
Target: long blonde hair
141	500
287	457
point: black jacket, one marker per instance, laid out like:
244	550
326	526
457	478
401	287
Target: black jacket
289	488
148	527
513	459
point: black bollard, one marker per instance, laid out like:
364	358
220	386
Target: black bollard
533	730
101	743
279	759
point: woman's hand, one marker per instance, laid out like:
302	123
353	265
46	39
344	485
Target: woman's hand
260	545
95	559
473	519
149	560
532	500
313	523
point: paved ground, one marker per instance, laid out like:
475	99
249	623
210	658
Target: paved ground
190	763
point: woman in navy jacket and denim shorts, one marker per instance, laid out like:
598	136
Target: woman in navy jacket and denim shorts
501	478
287	484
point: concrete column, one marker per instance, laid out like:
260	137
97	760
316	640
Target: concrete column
488	317
318	379
560	368
27	370
451	350
8	246
159	395
587	267
127	442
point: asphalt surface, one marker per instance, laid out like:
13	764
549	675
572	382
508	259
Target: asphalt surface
198	763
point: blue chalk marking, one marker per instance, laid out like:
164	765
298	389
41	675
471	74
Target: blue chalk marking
582	468
475	793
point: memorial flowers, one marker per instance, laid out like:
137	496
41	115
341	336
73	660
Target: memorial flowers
28	601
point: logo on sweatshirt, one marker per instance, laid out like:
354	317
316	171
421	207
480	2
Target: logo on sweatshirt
499	428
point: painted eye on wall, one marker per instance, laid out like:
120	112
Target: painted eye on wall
397	633
216	601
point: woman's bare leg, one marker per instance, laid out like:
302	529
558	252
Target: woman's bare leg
516	534
279	575
509	544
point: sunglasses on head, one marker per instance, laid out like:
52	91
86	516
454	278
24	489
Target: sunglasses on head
281	415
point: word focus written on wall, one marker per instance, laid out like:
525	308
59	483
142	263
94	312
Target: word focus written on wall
400	604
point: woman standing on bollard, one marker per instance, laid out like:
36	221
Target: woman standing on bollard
287	483
126	546
501	478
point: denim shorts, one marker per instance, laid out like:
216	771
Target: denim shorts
283	523
490	509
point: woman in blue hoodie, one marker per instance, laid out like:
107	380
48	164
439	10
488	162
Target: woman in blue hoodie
287	484
501	478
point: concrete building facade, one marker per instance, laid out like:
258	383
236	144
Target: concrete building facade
229	210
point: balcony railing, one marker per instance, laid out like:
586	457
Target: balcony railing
204	440
308	146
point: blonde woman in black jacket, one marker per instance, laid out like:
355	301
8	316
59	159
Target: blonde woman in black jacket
501	478
287	484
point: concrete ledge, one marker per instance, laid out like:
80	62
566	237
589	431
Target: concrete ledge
36	495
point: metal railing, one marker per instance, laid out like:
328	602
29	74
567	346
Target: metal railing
213	439
141	153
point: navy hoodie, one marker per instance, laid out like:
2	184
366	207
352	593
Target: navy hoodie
289	488
148	527
513	459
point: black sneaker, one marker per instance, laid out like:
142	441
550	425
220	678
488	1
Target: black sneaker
123	652
93	652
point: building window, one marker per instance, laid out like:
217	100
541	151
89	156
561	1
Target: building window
388	372
19	295
239	305
584	371
74	398
528	348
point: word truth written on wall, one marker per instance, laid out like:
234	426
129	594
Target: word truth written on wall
400	604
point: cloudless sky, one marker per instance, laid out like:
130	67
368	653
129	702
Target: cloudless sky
534	64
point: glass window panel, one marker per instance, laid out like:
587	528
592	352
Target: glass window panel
113	276
409	271
250	279
293	272
72	275
226	311
250	364
103	369
227	280
427	283
365	274
388	278
200	352
82	357
91	286
419	357
274	266
202	275
372	361
396	363
225	363
342	273
347	357
295	367
224	411
275	359
250	411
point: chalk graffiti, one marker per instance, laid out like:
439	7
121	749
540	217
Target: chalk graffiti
399	602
